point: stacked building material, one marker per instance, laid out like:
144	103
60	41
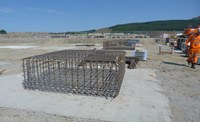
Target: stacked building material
120	44
129	46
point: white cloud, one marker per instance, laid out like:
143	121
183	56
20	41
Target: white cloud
6	10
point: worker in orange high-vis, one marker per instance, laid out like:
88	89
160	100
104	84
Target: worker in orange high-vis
194	50
187	43
189	33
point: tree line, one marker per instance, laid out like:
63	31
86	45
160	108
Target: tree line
3	31
165	25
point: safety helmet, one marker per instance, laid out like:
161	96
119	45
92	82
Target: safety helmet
189	31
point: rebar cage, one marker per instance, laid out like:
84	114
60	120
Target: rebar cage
83	72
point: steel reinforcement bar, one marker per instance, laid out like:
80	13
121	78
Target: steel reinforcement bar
83	72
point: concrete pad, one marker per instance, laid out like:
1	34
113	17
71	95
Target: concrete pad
140	99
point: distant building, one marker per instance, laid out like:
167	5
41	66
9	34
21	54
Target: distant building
96	35
58	35
164	35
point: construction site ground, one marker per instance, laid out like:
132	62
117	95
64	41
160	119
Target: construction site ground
162	89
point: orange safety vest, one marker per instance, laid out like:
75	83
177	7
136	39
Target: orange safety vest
195	42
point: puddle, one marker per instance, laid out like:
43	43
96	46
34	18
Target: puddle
17	47
56	48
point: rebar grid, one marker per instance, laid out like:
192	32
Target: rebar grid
84	72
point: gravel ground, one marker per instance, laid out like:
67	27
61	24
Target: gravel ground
178	81
16	115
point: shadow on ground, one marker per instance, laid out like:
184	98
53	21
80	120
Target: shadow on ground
176	64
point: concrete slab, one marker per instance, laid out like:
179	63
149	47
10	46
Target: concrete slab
140	99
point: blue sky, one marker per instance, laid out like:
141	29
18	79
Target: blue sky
79	15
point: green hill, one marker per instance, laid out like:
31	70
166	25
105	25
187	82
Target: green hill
3	31
163	25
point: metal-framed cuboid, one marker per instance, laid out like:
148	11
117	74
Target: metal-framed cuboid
82	72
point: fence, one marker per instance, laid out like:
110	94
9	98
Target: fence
83	72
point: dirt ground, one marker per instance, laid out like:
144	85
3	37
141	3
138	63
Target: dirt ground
16	115
178	81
